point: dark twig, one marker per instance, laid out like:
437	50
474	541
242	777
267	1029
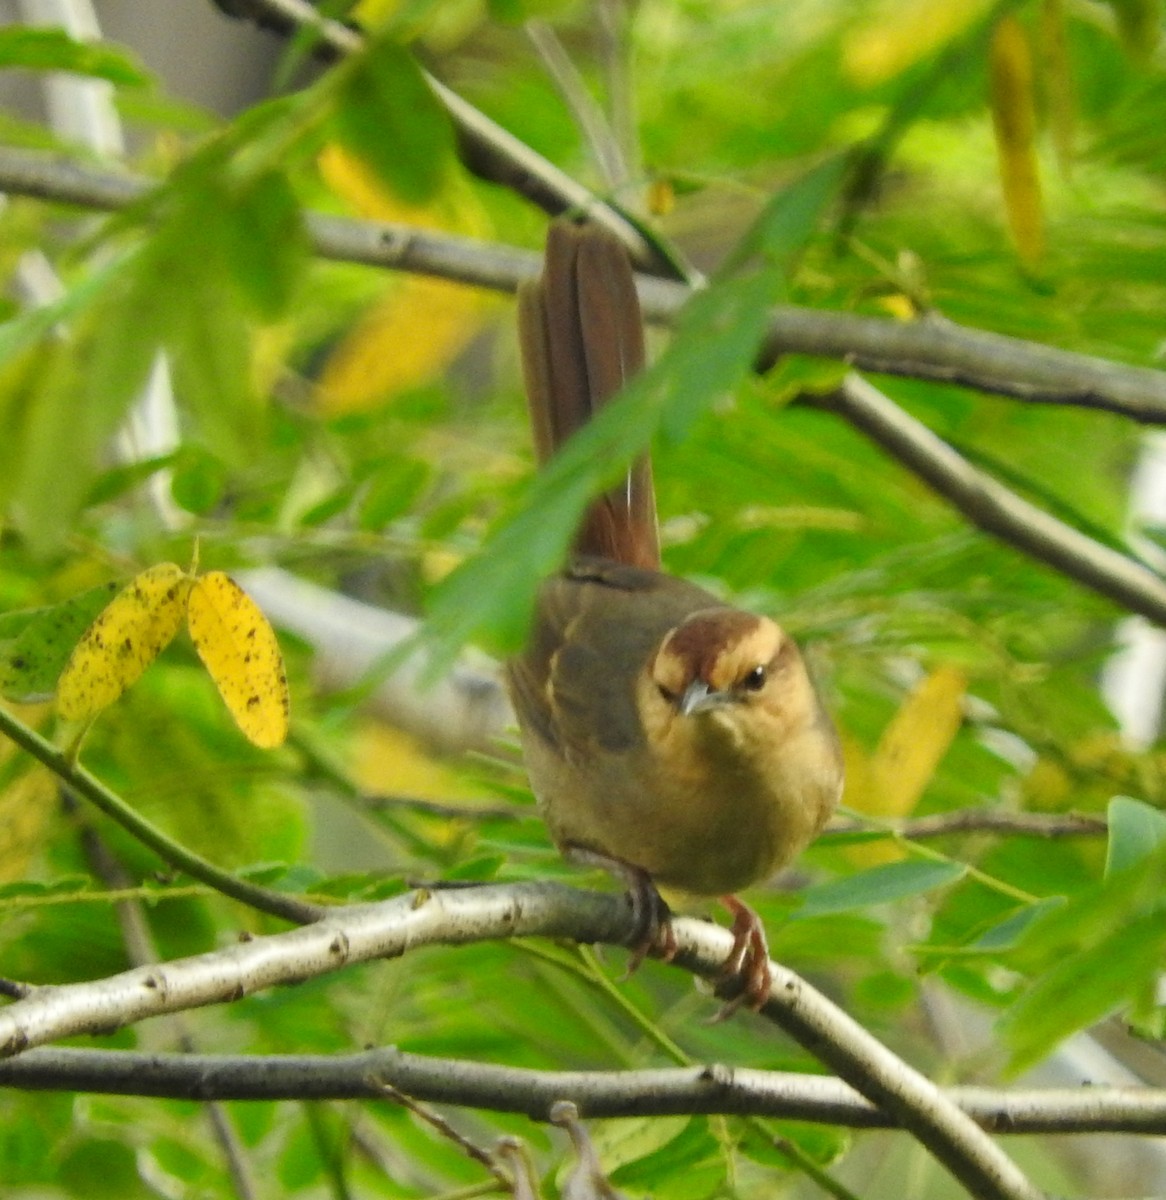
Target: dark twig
436	1121
654	1092
927	349
982	820
993	507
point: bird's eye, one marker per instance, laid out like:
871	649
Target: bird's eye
755	680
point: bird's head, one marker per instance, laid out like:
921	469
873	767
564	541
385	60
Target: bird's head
723	664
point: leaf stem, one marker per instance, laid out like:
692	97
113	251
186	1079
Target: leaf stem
80	781
982	877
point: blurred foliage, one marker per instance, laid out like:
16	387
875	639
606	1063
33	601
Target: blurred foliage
997	164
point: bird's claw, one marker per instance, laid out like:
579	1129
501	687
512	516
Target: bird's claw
747	964
651	917
652	922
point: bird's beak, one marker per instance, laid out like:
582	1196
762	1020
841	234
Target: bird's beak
699	697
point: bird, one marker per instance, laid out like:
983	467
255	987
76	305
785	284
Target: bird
669	737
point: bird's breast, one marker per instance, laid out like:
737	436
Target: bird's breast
698	817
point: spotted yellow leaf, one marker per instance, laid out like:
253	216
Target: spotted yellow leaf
238	648
128	634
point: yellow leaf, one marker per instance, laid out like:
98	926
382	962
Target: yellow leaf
1048	787
238	648
917	738
406	340
1014	119
370	13
129	634
892	782
455	208
901	32
412	335
900	306
661	198
1058	81
27	800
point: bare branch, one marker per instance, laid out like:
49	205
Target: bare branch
982	820
656	1092
344	936
364	932
943	351
996	509
927	349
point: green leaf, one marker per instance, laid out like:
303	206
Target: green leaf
31	664
1092	916
264	241
651	1156
1084	988
78	405
1139	23
33	324
1135	831
208	338
879	885
117	481
43	48
492	593
387	115
100	1167
770	1144
1008	932
790	217
198	481
391	490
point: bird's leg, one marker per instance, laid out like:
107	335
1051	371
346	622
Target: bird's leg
748	960
651	917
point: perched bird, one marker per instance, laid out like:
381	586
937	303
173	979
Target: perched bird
669	737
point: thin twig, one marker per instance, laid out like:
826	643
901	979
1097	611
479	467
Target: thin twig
926	349
615	55
364	932
82	783
993	507
436	1121
582	105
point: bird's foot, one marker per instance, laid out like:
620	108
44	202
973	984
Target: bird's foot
652	920
651	917
748	961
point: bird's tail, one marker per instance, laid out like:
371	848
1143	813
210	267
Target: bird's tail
582	338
